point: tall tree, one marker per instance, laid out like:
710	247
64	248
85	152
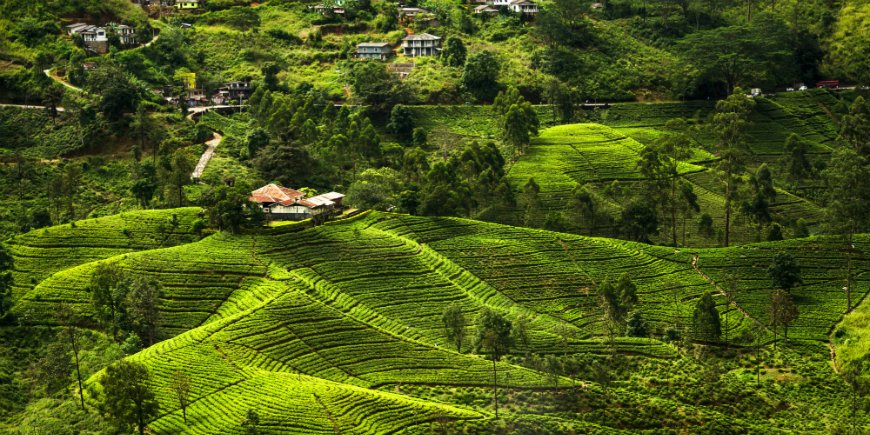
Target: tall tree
6	264
181	388
494	338
454	324
783	311
531	201
519	121
108	290
705	319
141	306
70	321
797	164
128	398
847	188
617	300
675	146
729	126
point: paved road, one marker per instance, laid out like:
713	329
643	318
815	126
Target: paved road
206	156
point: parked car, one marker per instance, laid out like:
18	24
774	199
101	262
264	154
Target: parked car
803	88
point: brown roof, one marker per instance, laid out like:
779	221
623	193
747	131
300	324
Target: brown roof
272	193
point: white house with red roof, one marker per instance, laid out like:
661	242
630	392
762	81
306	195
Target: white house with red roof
283	203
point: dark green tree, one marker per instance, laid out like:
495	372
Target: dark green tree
454	52
128	399
494	338
617	300
6	264
480	76
784	271
272	163
402	123
141	302
376	87
782	311
797	164
108	290
705	319
454	324
638	221
252	422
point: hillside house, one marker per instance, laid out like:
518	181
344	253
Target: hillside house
486	9
423	44
373	50
523	7
517	6
187	4
282	203
95	38
126	34
322	9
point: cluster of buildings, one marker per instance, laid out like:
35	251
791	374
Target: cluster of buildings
282	203
193	95
178	4
96	38
425	44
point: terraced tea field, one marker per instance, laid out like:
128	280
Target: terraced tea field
324	329
566	156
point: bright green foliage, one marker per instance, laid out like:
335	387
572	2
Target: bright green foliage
128	398
706	324
849	45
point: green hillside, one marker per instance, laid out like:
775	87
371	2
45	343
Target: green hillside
341	322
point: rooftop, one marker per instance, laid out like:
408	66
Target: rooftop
421	37
273	193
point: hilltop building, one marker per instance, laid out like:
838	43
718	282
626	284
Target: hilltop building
283	203
423	44
96	38
373	50
519	6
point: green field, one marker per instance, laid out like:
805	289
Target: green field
339	325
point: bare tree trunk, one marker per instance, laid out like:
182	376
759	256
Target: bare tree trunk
495	386
75	347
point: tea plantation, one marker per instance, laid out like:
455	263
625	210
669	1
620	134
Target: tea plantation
337	328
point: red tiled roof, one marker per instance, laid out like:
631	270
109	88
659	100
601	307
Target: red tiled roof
272	193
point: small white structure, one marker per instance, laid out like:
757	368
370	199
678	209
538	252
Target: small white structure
523	7
485	9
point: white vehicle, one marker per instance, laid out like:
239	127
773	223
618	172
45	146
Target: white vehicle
789	89
803	88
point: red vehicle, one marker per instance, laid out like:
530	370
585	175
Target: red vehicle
828	84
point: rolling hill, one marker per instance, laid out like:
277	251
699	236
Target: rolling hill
337	327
